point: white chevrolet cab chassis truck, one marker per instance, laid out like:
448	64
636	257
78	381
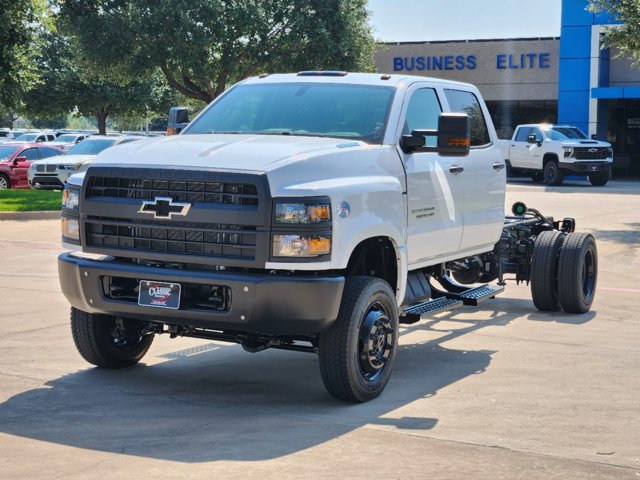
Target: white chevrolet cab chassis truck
313	212
548	152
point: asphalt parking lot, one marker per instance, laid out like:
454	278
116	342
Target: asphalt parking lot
499	392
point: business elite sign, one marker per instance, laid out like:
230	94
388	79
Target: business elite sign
503	61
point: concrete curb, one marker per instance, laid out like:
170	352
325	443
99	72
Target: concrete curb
47	215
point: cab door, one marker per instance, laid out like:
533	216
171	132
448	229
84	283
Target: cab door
434	184
21	167
485	182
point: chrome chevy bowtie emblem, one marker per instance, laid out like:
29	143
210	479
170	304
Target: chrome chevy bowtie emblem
164	207
593	150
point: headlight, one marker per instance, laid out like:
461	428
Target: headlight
70	198
610	151
70	228
301	245
69	166
568	151
313	212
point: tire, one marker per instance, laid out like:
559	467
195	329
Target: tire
96	339
599	179
577	273
553	176
537	177
5	184
358	352
544	270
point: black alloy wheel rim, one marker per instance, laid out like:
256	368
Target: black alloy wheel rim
375	342
550	172
588	274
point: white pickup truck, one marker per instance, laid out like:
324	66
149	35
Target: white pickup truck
548	152
312	212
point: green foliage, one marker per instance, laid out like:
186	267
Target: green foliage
69	85
201	46
50	123
17	33
29	200
625	37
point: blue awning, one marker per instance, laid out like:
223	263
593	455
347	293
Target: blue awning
615	92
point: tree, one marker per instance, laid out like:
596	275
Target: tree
625	37
67	85
201	46
19	24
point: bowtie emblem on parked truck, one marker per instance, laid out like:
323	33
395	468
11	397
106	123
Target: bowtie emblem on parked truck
313	212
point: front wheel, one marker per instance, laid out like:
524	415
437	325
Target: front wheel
107	341
553	176
358	351
4	182
599	179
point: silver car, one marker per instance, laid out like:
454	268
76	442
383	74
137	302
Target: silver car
53	173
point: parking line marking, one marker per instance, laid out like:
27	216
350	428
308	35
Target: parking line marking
629	290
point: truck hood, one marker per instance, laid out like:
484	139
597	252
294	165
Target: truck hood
261	153
58	159
584	143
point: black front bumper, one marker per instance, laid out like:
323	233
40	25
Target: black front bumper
260	303
586	167
47	182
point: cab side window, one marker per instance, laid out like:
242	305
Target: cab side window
31	154
423	111
523	133
466	102
48	152
538	133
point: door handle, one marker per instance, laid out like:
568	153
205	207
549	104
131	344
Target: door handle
456	169
498	166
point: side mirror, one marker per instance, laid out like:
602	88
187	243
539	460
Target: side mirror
19	159
178	119
453	134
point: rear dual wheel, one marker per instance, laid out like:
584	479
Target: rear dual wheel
577	272
564	271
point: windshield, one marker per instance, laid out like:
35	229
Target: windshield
28	137
565	133
6	152
91	147
315	109
66	138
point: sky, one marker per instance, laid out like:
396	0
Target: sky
431	20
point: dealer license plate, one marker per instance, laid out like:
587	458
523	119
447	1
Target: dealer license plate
159	294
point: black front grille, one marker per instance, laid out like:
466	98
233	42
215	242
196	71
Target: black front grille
180	190
181	238
45	168
591	153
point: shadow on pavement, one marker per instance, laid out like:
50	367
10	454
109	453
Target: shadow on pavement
215	402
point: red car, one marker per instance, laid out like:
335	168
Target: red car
15	160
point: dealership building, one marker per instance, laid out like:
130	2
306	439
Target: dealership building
569	80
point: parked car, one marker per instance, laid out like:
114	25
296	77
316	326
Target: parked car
52	174
67	140
15	161
7	135
35	137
